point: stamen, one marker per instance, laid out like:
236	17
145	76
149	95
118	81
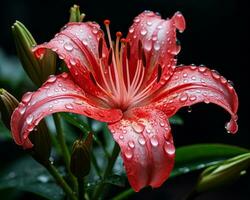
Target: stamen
92	78
100	46
144	60
159	73
128	50
110	57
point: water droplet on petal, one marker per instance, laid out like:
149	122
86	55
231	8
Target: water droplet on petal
29	119
131	30
143	32
162	124
121	137
169	148
154	141
22	110
215	74
68	46
65	75
72	62
232	126
192	98
51	79
137	19
202	69
69	106
141	140
138	127
26	97
149	23
128	154
157	46
193	78
131	144
148	45
183	97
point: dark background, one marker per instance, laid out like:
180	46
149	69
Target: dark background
217	36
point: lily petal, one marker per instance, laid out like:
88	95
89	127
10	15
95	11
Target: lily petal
58	94
77	45
190	85
146	146
158	37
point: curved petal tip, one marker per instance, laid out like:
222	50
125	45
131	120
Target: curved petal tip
179	21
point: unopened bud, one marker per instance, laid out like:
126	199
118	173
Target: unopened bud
80	158
39	137
41	143
37	70
223	173
75	14
8	103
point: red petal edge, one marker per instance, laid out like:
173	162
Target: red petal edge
190	85
58	94
77	45
146	146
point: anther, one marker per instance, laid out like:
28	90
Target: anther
128	50
143	57
106	22
159	72
92	78
118	34
139	49
110	57
100	46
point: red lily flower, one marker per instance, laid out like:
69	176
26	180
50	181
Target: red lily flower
133	85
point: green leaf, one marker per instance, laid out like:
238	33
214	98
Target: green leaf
223	173
195	157
176	120
27	175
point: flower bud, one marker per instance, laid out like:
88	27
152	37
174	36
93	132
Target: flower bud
37	70
75	14
41	143
40	137
80	158
8	103
223	173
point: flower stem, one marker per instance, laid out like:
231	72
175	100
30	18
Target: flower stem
63	146
60	181
108	170
124	195
80	189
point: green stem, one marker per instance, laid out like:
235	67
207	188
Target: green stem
60	181
95	164
124	195
63	146
80	189
108	170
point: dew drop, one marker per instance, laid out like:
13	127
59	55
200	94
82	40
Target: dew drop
192	98
128	154
141	140
215	74
202	69
157	46
143	32
65	75
162	124
69	106
193	78
183	97
29	119
169	148
68	46
148	45
159	27
22	110
121	137
131	144
26	97
72	62
149	23
138	127
51	79
137	19
154	141
230	83
78	102
131	30
43	178
185	75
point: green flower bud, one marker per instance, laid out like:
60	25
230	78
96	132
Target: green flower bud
223	173
75	14
37	70
80	158
8	103
39	137
42	143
